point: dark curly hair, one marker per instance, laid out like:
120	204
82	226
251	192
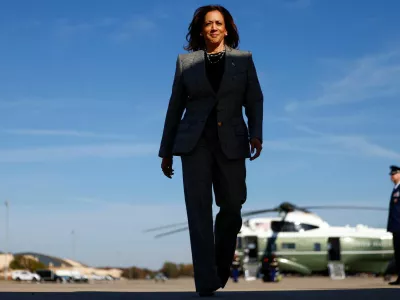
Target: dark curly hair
196	42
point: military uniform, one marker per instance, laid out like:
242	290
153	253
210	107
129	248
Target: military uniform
235	268
393	225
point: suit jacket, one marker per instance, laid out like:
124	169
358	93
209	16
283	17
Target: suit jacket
193	93
394	211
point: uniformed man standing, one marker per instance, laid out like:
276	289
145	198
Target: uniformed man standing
394	218
235	268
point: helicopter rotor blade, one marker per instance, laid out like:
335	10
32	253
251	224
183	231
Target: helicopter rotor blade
165	226
346	207
171	232
288	207
260	211
285	207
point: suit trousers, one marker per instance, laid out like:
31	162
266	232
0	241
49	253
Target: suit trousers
204	169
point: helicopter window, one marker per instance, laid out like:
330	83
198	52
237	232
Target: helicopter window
308	226
288	246
282	226
317	247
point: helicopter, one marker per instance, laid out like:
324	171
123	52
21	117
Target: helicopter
303	243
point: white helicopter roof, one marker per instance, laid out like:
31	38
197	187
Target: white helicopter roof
262	227
306	218
297	217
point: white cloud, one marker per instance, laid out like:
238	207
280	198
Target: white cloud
46	154
336	120
136	25
72	133
62	103
308	130
292	106
374	77
23	103
66	27
359	145
319	142
301	145
116	29
331	145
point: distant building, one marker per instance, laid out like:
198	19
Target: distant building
55	263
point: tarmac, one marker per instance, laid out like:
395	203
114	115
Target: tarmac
293	288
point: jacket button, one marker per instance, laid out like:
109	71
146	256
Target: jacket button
219	124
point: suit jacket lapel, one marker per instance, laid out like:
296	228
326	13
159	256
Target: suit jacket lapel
229	69
199	68
199	71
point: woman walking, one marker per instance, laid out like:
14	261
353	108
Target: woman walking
212	83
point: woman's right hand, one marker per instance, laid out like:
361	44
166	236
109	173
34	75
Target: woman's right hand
166	166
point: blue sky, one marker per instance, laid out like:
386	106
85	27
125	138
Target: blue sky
84	87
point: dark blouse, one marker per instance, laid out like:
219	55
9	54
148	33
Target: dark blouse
215	71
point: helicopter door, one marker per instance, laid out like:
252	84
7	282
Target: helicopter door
334	249
252	247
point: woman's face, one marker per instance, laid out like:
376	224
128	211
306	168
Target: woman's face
214	30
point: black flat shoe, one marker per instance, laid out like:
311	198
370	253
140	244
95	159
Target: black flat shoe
206	294
397	282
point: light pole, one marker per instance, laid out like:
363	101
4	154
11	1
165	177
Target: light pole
6	244
73	245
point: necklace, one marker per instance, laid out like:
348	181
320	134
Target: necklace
213	58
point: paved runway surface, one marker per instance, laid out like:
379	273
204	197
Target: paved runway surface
289	288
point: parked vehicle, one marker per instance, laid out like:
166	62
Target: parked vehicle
25	276
160	277
49	275
72	276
